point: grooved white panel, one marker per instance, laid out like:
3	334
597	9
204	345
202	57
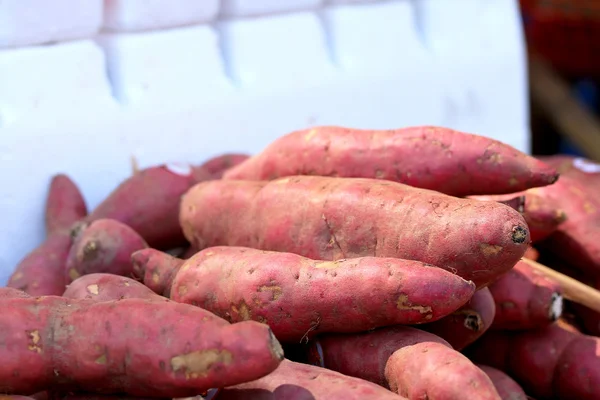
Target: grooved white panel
27	22
244	8
137	15
166	68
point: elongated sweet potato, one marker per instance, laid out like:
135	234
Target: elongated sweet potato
586	171
54	343
105	287
156	269
468	323
148	202
525	299
428	157
217	166
552	362
543	216
103	246
336	218
411	362
41	272
506	386
299	297
295	381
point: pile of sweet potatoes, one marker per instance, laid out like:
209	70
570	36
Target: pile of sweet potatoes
335	264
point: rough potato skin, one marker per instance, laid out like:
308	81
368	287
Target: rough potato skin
336	218
156	269
299	297
217	166
103	246
525	299
148	202
552	362
41	272
296	381
542	216
105	287
405	359
65	205
584	170
506	386
429	157
113	347
468	323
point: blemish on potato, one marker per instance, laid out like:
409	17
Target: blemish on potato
182	290
73	274
16	276
310	135
589	208
199	363
35	339
275	290
101	360
327	264
403	304
513	181
490	249
90	250
93	289
155	277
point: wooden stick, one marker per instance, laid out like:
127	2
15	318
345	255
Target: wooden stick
573	290
552	94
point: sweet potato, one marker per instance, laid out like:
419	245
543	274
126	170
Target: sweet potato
441	159
468	323
532	254
15	397
41	272
148	202
525	299
93	396
295	381
156	269
506	386
113	347
556	361
543	217
299	297
586	171
103	246
411	362
104	287
217	166
337	218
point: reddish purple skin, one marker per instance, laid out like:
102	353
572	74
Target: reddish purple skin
429	157
148	202
64	206
92	396
104	246
552	362
41	272
523	299
156	269
299	297
117	347
468	323
217	166
506	386
337	218
295	381
566	165
405	359
105	287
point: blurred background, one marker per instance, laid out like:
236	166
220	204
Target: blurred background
95	88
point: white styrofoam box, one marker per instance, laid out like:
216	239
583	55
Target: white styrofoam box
479	48
27	22
138	15
275	52
62	79
290	72
166	67
246	8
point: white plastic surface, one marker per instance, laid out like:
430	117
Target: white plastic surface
138	15
190	93
26	22
246	8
